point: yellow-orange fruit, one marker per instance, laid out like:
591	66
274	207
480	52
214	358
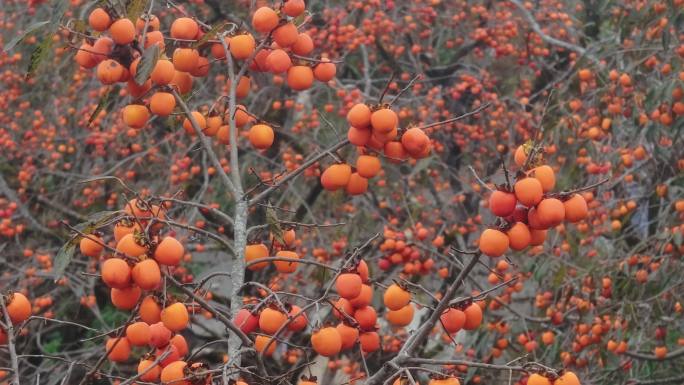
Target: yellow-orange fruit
294	8
185	59
146	274
261	136
359	116
303	46
520	157
369	341
364	299
384	120
126	298
138	333
84	56
348	285
502	204
286	266
254	252
122	31
537	237
162	103
163	72
119	349
169	251
300	78
401	317
348	335
368	166
551	212
129	246
109	71
415	141
99	20
265	19
537	379
91	246
270	320
116	273
568	378
357	184
359	136
473	317
175	317
326	341
199	119
576	208
493	243
184	28
18	307
173	373
325	71
182	81
260	343
396	297
452	320
150	369
286	35
242	46
336	176
278	61
528	191
519	236
135	115
546	176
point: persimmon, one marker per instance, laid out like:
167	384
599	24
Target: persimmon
359	116
109	71
242	46
303	46
298	322
18	307
369	341
162	103
91	246
174	372
130	246
528	191
348	334
546	176
202	68
357	184
326	341
537	237
285	35
182	81
185	59
125	298
444	381
261	136
102	48
286	266
278	61
567	378
118	349
300	77
160	335
116	273
453	320
169	251
163	72
150	369
366	316
138	333
265	19
493	243
396	297
502	203
175	317
181	344
99	20
395	152
151	21
551	212
359	136
260	343
473	316
325	70
135	115
246	321
149	310
184	28
84	56
336	176
402	316
364	299
520	156
384	120
155	38
537	379
171	352
270	320
575	208
254	252
519	236
348	285
294	8
122	31
343	305
415	141
146	274
368	166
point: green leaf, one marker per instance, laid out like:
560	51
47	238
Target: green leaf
274	224
104	103
96	221
59	8
146	64
30	29
38	55
135	9
63	258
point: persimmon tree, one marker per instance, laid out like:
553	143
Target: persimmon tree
322	192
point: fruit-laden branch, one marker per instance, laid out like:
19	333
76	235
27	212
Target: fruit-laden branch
262	195
650	357
470	364
424	331
9	331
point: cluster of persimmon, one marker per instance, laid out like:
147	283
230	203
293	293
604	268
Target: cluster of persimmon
374	130
117	51
529	209
398	250
18	309
133	272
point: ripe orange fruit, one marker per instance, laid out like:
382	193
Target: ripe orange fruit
91	246
163	72
336	176
359	116
568	378
99	20
254	252
415	142
118	351
185	59
395	152
368	166
261	136
286	266
357	184
528	191
18	307
536	379
116	273
265	19
348	285
151	375
366	316
551	212
576	208
260	343
173	373
169	251
146	274
84	57
384	120
546	176
149	310
180	343
326	341
175	317
162	103
126	298
444	381
348	335
135	115
493	243
396	297
152	24
325	71
102	48
300	78
537	237
342	305
294	8
160	335
473	317
278	61
359	136
519	236
370	341
520	156
299	322
303	46
286	35
122	31
182	81
242	46
184	28
138	333
199	119
502	203
364	299
129	246
453	320
110	71
270	320
401	317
